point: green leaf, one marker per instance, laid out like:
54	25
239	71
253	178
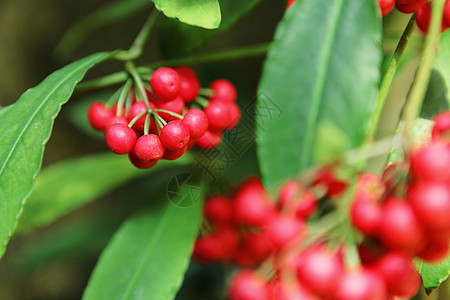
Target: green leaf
330	143
147	257
66	186
433	275
201	13
185	38
111	13
26	127
437	98
324	64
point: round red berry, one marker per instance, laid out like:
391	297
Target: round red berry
120	138
409	6
115	120
139	163
165	83
441	127
149	147
176	106
136	109
208	249
218	114
366	216
361	284
248	285
209	140
223	90
430	162
386	6
234	116
189	85
218	209
282	230
196	121
98	114
174	154
175	135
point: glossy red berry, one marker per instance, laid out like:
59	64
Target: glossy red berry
441	127
229	240
209	140
224	90
257	245
136	109
189	85
248	285
175	135
319	270
409	6
98	115
196	121
386	6
149	147
218	209
251	205
115	120
361	284
431	203
234	116
366	216
165	83
423	18
369	187
294	198
139	163
176	106
218	115
120	138
398	272
400	228
282	230
435	251
174	154
208	249
326	178
430	162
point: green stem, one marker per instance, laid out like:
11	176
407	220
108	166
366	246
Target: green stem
131	68
202	101
388	77
419	87
206	92
138	45
147	124
171	113
136	118
123	96
119	77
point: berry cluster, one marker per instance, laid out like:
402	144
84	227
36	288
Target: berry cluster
285	255
162	119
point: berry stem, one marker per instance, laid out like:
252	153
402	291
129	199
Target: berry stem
157	123
202	101
147	124
171	113
137	47
131	68
230	54
206	92
419	87
388	77
136	118
123	96
110	102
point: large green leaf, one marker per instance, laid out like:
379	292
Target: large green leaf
323	66
111	13
437	98
66	186
147	257
433	275
26	127
202	13
185	38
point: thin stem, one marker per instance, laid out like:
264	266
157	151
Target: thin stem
119	77
158	129
419	87
202	101
123	96
171	113
206	92
147	124
388	77
136	118
138	45
138	81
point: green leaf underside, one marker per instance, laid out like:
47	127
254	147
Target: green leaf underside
185	38
433	275
202	13
437	98
111	13
66	186
149	254
322	65
26	127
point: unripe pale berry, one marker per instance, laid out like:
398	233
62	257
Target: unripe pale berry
120	138
165	83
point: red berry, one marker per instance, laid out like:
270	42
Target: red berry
115	120
175	135
196	121
139	163
98	114
399	274
369	187
218	209
293	197
176	105
319	270
251	205
366	216
208	249
248	285
289	4
149	147
234	117
189	85
224	90
446	17
136	109
327	178
430	163
386	6
165	83
431	203
400	228
423	18
120	138
361	284
229	240
218	115
174	154
209	140
409	6
441	128
258	245
282	230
